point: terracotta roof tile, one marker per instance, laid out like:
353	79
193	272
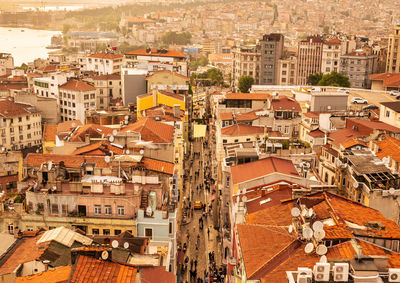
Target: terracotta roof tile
157	274
285	103
352	142
316	133
76	85
71	161
389	146
150	130
388	79
98	148
68	126
276	215
9	109
242	130
49	132
158	166
107	77
173	95
103	55
155	52
311	114
60	274
256	169
93	130
226	116
168	72
248	96
249	116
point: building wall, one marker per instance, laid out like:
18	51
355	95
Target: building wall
287	71
132	86
271	51
143	104
103	66
165	78
246	62
309	59
73	104
106	90
241	139
331	58
358	69
328	102
389	116
393	55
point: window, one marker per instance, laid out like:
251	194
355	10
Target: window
19	119
121	210
97	209
117	232
29	228
106	231
92	96
10	228
170	228
64	209
86	96
107	209
224	141
95	231
148	232
54	209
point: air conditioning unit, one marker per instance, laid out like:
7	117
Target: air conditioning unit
304	275
321	271
394	274
341	272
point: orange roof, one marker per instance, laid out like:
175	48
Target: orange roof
334	41
9	109
88	269
276	215
76	85
242	130
72	161
103	55
26	251
311	114
157	274
49	133
316	133
158	166
68	125
138	20
285	103
388	79
248	96
60	274
226	116
107	77
98	148
156	52
151	130
167	72
256	169
173	95
249	116
352	142
389	146
220	57
93	130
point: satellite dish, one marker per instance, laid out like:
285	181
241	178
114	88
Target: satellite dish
104	255
304	212
114	244
308	233
107	158
391	191
321	250
290	228
355	184
141	151
309	248
126	122
126	117
114	132
244	198
323	259
127	151
126	245
111	138
319	235
73	125
310	212
295	212
317	225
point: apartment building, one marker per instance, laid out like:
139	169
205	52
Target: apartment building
246	62
271	48
393	52
104	63
309	60
287	68
47	86
108	88
10	169
75	98
358	66
20	125
6	63
331	52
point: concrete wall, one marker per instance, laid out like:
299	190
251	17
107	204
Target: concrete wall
132	86
329	102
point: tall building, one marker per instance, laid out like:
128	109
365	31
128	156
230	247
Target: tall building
309	60
287	68
331	52
358	66
393	53
271	47
246	62
6	63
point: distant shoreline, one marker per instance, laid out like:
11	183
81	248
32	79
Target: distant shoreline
29	27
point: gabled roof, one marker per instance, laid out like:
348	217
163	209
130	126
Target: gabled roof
388	79
395	106
98	148
64	236
242	130
93	130
49	132
317	133
10	109
388	146
248	96
249	116
158	166
71	161
103	55
151	130
353	142
285	103
88	269
257	169
157	53
76	85
59	274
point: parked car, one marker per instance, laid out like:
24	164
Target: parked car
398	97
370	107
314	88
198	205
343	90
359	100
394	92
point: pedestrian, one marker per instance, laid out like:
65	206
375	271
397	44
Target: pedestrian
208	232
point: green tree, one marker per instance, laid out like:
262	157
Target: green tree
334	79
173	37
314	78
245	83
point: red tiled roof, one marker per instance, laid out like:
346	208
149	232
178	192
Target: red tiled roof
352	142
8	86
9	109
88	269
157	274
285	103
49	133
76	85
93	130
158	166
151	130
355	53
249	116
316	133
389	146
106	56
334	41
220	57
388	79
168	72
248	96
155	52
71	161
311	114
48	68
226	116
98	148
68	125
258	202
242	130
107	77
60	274
373	125
278	215
173	95
256	169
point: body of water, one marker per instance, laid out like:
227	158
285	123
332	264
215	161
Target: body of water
25	45
55	8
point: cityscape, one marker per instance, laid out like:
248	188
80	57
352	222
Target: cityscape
186	141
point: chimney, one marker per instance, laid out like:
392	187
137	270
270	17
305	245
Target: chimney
177	111
46	264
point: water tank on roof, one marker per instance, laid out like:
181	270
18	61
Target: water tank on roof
153	200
